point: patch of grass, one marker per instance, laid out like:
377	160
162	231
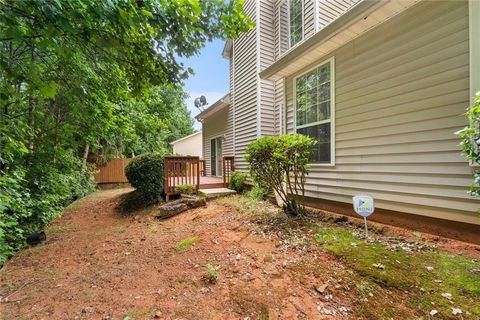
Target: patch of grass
138	313
186	243
153	228
407	271
121	229
212	274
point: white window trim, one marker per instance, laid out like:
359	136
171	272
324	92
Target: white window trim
330	61
289	26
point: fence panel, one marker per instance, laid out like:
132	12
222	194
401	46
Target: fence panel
113	171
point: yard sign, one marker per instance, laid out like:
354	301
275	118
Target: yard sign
364	206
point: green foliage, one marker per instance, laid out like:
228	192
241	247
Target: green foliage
188	189
185	244
145	173
238	181
408	271
212	274
33	195
471	142
258	191
282	164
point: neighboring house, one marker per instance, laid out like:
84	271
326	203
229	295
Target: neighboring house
189	146
381	85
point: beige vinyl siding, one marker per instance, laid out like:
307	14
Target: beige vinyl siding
281	28
245	83
266	58
329	10
308	18
214	126
229	131
401	90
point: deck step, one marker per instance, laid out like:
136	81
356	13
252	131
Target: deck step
216	192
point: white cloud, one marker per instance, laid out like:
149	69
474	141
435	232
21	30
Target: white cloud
211	96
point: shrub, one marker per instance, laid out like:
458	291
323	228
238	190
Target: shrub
145	173
186	189
471	142
281	163
259	191
34	194
238	181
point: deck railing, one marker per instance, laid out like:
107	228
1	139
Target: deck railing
203	168
228	168
179	170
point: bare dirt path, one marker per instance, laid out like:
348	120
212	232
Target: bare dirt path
100	264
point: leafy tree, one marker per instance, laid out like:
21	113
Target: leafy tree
282	164
471	142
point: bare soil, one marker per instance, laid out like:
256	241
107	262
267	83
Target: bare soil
101	262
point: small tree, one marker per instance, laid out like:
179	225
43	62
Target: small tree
282	163
471	142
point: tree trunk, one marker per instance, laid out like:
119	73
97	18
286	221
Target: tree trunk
86	150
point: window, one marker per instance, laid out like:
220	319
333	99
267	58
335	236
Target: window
313	110
296	21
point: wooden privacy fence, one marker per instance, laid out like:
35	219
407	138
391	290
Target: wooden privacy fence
113	171
228	168
180	170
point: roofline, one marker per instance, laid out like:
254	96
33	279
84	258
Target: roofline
227	49
324	34
190	135
217	106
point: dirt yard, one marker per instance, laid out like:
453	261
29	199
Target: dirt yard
100	263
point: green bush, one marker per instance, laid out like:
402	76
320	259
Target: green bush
186	189
258	191
238	181
34	194
282	164
471	142
145	173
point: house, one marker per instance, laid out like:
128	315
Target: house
190	145
381	85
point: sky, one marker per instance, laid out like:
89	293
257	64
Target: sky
210	78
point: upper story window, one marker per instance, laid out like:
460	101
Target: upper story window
296	21
314	110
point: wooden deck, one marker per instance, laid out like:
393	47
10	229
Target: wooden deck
209	182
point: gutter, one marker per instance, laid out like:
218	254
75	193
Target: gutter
218	105
342	22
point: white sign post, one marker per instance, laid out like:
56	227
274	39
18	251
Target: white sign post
364	206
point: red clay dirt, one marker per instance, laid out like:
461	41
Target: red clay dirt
100	264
